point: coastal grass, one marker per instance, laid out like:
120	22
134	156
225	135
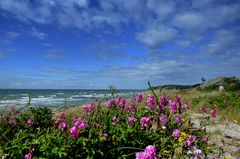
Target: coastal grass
227	103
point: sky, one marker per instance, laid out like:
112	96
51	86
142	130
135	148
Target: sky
91	44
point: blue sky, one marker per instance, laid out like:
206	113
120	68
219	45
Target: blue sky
92	44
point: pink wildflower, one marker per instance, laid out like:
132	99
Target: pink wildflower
145	122
196	152
163	101
76	120
30	122
80	123
63	126
110	103
184	105
143	155
83	124
151	150
127	106
149	153
131	119
163	119
139	98
104	134
114	118
203	110
84	108
28	156
176	133
57	121
120	101
151	101
91	108
177	98
190	140
74	132
178	120
173	106
213	112
62	115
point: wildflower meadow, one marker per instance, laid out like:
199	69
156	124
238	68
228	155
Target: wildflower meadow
142	127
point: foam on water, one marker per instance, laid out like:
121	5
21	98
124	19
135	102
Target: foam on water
53	98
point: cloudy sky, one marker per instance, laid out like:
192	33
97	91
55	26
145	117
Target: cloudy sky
95	43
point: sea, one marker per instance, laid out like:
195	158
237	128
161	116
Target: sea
56	98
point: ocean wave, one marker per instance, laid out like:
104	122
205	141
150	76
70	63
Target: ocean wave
52	99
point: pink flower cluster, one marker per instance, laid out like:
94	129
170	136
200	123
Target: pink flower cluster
173	106
78	124
163	119
163	101
213	112
176	133
151	101
178	98
29	155
61	124
190	140
148	153
196	152
131	120
127	106
178	120
118	101
115	119
110	103
203	110
139	98
30	122
88	109
62	115
145	122
185	105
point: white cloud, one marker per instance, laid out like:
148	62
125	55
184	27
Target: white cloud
223	41
162	9
205	23
189	21
38	34
155	37
8	37
183	43
207	16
